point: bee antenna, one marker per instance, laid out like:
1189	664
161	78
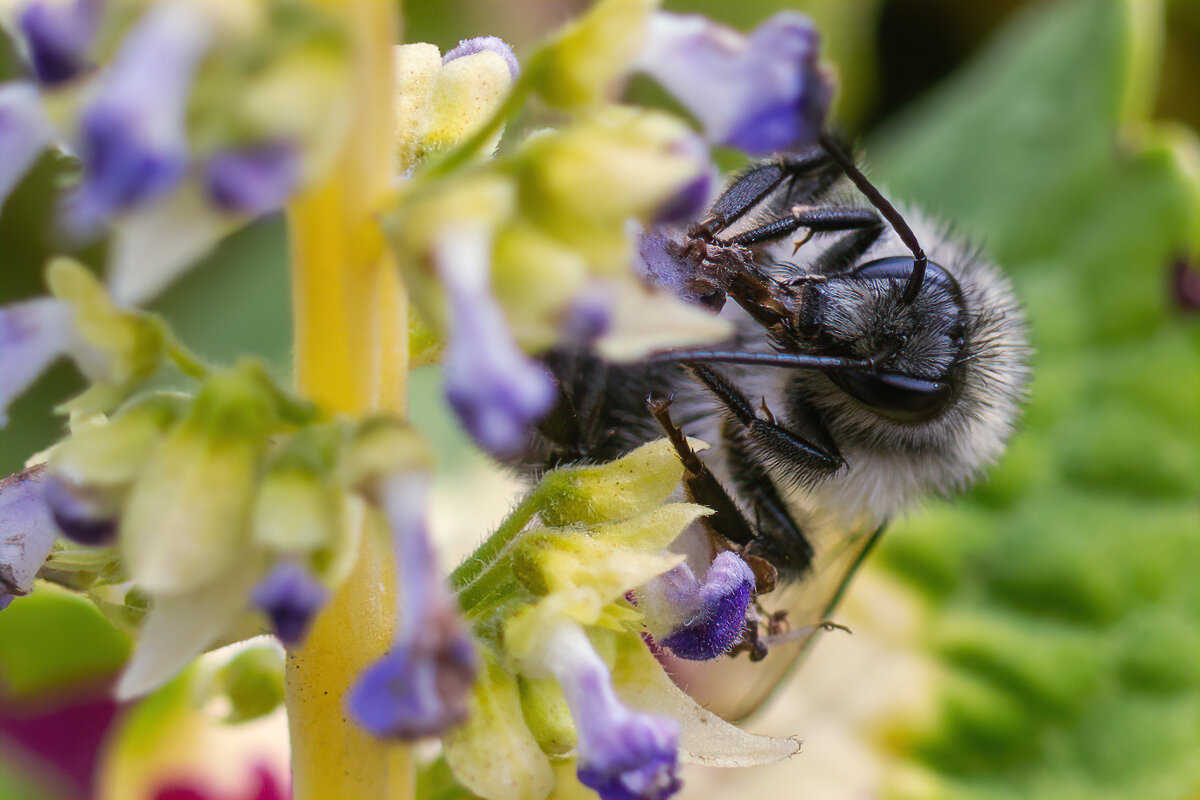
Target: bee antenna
913	287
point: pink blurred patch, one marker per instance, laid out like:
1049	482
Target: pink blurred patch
266	787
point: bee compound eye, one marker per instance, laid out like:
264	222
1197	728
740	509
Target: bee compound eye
895	396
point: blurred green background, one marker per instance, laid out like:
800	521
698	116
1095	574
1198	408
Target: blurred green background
1061	599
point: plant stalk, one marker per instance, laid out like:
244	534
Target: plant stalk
349	312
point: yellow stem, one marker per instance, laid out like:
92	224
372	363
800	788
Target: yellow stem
351	349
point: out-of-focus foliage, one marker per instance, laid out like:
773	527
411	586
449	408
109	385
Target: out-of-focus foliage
1064	593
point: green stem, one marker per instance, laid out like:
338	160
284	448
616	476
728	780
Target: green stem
487	554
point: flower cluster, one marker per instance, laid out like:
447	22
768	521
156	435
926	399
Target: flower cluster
181	117
195	518
566	669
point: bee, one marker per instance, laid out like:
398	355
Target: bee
864	374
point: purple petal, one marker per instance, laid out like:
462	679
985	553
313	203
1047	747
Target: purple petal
134	144
497	391
699	621
253	180
291	597
421	688
763	94
693	198
32	334
24	133
60	33
589	316
82	514
480	44
660	264
622	754
27	533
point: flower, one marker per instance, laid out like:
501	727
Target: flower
623	755
24	132
33	334
480	44
252	180
26	532
59	34
422	687
763	94
497	391
291	597
693	197
133	142
85	515
699	621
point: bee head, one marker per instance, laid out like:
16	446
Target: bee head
914	344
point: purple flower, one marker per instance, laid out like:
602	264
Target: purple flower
762	94
589	316
699	621
622	754
59	33
497	391
253	180
26	532
24	133
83	514
291	597
133	141
32	334
481	44
422	686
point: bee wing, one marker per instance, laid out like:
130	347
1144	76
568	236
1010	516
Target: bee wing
735	688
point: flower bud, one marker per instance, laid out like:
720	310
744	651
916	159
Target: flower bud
584	63
252	681
633	484
535	279
493	752
119	350
186	521
547	714
291	597
298	508
610	559
111	455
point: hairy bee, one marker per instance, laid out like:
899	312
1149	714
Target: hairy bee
864	375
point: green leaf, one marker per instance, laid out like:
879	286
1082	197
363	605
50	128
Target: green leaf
55	639
1068	600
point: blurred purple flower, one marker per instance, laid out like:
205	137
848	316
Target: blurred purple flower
622	754
33	333
60	33
589	316
26	531
699	621
762	94
480	44
691	200
134	144
253	180
85	515
291	597
421	687
497	391
24	133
